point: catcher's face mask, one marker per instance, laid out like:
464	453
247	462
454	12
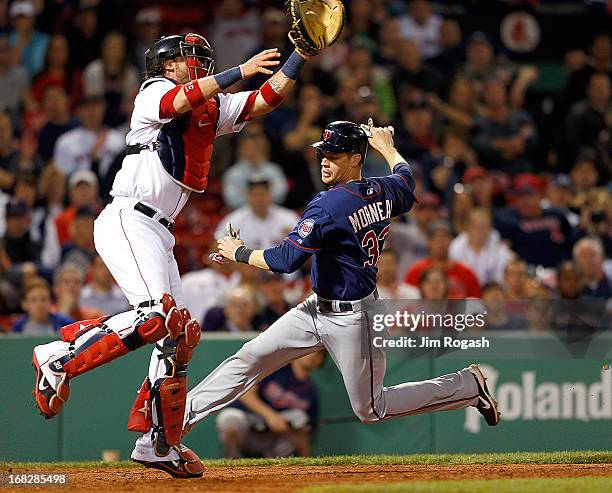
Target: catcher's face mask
199	56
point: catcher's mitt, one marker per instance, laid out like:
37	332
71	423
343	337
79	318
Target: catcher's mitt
315	24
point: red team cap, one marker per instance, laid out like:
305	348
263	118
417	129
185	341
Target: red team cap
429	199
527	183
473	172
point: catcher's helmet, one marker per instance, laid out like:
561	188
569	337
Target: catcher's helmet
194	48
339	137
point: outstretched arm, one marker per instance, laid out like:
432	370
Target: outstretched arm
192	94
235	249
276	88
280	259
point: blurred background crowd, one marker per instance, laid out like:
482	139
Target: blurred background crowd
502	108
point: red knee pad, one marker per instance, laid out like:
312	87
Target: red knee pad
174	323
185	314
187	343
157	327
167	302
152	330
140	415
172	393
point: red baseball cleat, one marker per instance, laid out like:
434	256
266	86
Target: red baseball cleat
188	464
48	400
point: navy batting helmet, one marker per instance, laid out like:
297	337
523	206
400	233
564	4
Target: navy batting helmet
193	47
339	137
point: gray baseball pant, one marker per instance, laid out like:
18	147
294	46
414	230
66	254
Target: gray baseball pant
304	330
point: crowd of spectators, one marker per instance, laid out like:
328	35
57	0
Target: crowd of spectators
513	183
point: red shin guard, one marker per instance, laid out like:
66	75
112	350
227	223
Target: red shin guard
105	349
172	392
192	463
99	344
140	416
110	346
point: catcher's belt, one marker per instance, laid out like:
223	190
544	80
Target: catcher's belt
137	148
149	212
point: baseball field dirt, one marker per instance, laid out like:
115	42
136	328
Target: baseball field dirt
559	472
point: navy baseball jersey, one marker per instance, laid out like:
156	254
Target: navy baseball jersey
344	228
545	240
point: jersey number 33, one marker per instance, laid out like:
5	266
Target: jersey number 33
373	244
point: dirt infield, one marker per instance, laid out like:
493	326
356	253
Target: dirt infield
281	479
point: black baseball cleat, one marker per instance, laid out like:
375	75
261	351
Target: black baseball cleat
487	406
188	464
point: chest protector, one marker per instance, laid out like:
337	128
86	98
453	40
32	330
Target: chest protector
186	145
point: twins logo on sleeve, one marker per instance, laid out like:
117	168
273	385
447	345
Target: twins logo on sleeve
306	227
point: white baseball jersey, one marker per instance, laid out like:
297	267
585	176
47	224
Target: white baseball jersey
257	232
142	175
426	36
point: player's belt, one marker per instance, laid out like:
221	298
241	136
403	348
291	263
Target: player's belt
337	306
148	304
137	148
147	211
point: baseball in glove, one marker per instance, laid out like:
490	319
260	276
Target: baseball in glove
315	24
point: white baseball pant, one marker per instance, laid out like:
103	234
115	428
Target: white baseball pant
138	252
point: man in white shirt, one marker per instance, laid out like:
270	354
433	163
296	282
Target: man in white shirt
253	164
480	247
90	146
422	26
261	222
237	29
205	288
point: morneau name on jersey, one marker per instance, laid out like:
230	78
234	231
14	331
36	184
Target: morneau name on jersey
371	213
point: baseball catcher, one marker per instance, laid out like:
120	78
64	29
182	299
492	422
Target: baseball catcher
180	110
